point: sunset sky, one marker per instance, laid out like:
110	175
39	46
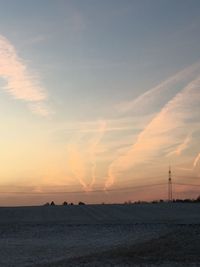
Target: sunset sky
98	98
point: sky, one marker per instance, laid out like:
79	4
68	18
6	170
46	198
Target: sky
97	99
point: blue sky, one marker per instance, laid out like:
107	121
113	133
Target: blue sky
101	76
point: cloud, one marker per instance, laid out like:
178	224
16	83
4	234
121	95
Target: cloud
194	167
159	95
39	108
94	149
82	158
163	133
126	124
196	160
20	82
181	147
36	40
77	166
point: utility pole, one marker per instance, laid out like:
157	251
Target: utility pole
170	197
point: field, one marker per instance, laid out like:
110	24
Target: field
101	235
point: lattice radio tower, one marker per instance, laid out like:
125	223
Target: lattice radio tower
170	197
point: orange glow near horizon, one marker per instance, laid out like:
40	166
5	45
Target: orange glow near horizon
88	112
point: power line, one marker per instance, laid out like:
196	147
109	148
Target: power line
130	188
186	176
81	192
187	184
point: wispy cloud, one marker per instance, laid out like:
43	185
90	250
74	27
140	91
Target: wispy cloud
196	160
20	82
94	149
159	95
181	147
162	135
112	125
83	161
77	165
194	167
36	40
39	108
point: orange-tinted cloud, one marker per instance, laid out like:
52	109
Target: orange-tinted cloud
163	133
76	164
39	108
181	147
161	93
20	82
94	149
82	158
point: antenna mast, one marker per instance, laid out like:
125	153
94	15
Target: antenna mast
170	197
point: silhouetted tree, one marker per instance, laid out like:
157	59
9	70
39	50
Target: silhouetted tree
46	204
52	203
187	200
128	202
65	203
81	203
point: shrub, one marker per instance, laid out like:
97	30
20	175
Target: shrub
81	203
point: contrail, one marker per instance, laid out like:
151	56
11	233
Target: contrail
77	166
157	136
181	147
163	91
195	164
196	160
93	151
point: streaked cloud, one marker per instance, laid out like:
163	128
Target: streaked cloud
181	147
36	40
77	166
120	124
39	108
161	137
159	95
82	158
192	167
20	82
93	150
196	160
